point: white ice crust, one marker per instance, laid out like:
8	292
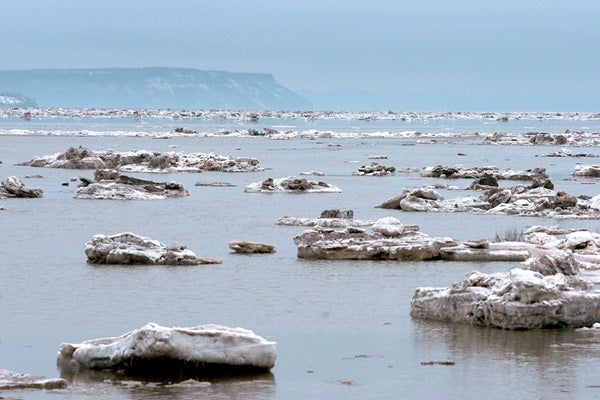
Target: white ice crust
210	344
548	291
390	240
287	184
129	248
574	138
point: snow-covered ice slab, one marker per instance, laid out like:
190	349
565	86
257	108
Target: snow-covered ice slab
111	185
389	240
291	184
144	161
156	350
10	380
547	292
14	187
462	172
128	248
517	200
589	171
503	251
324	222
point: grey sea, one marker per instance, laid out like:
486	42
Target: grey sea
342	328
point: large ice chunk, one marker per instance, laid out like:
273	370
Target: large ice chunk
158	350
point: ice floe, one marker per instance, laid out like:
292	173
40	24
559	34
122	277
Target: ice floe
519	200
144	161
157	350
332	218
375	169
461	172
128	248
10	380
587	171
291	184
111	185
546	292
390	240
13	187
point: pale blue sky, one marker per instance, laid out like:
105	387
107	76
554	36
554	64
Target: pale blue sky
401	55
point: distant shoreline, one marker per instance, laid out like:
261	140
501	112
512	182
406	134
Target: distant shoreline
255	115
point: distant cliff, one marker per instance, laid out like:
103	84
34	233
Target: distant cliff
15	100
152	87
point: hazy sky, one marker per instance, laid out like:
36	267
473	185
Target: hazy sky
402	55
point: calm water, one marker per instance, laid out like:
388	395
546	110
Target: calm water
343	328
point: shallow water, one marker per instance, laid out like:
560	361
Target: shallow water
343	328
